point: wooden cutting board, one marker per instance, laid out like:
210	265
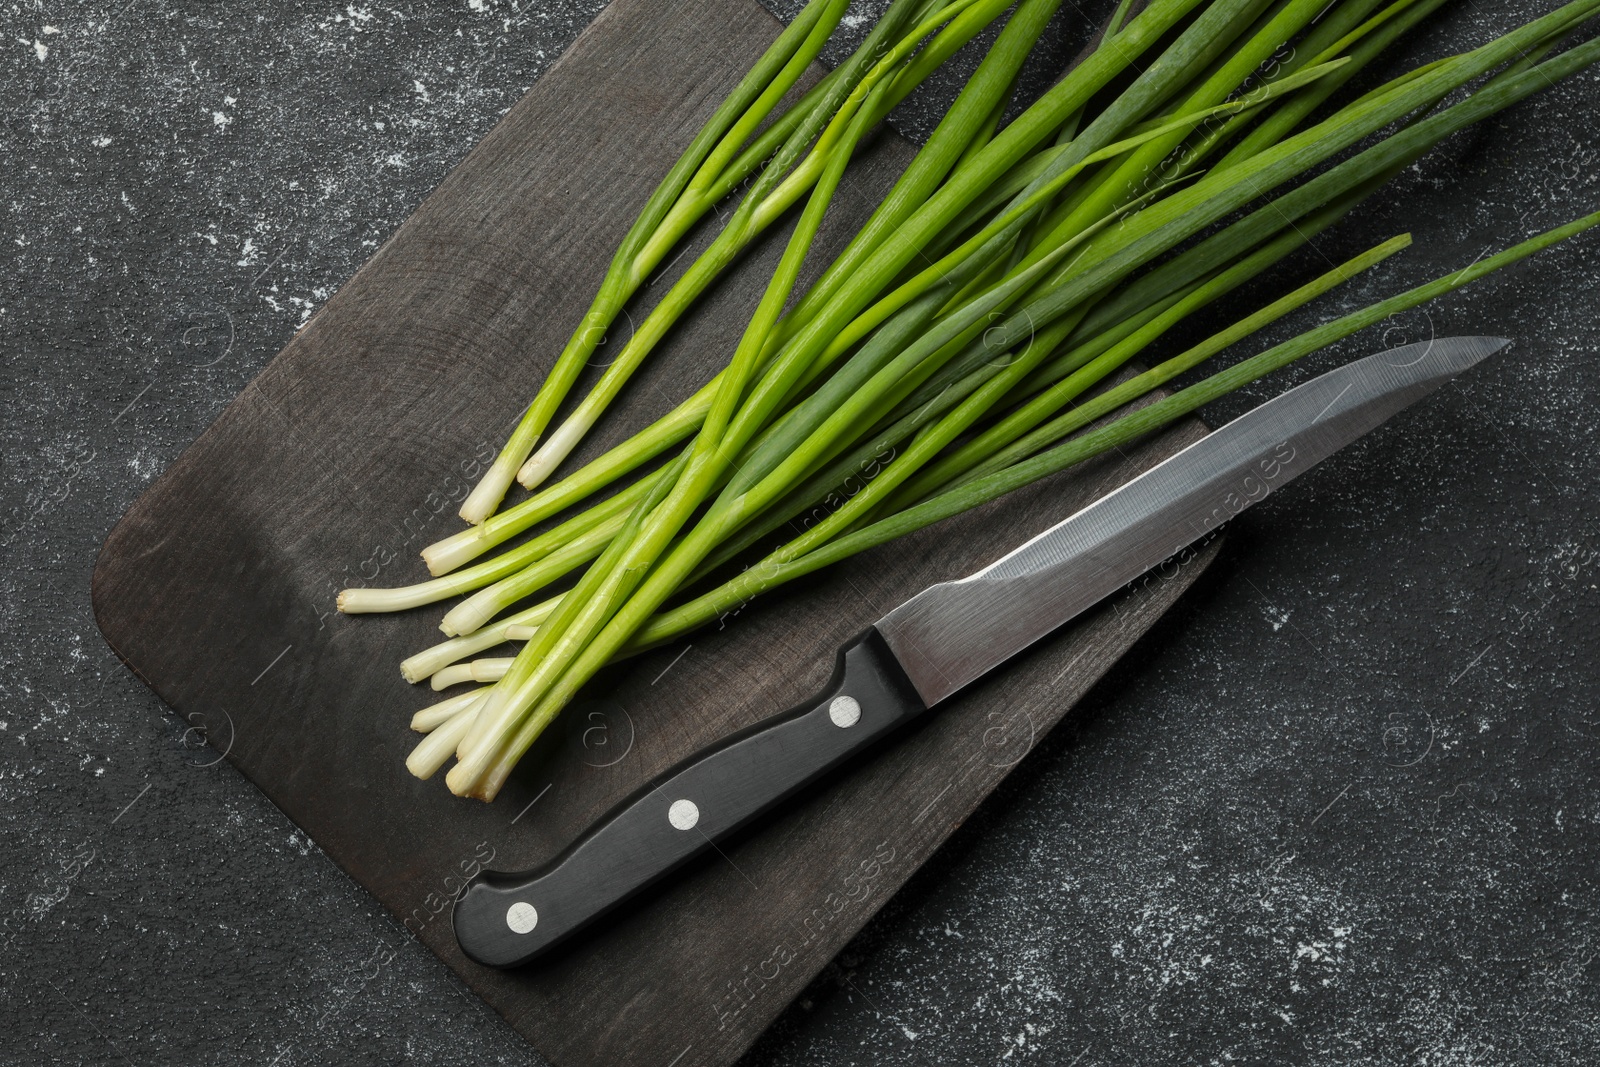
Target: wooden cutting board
352	450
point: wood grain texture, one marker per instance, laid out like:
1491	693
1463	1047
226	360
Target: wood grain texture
351	450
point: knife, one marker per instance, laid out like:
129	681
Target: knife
939	641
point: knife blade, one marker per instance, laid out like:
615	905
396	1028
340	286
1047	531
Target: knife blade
941	640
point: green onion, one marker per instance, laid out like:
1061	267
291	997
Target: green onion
431	660
635	258
766	201
980	490
961	344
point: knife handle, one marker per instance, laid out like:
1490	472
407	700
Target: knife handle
507	919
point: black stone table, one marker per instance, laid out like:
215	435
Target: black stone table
1340	807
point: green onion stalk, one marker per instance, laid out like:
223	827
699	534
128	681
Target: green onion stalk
716	162
785	566
988	90
978	332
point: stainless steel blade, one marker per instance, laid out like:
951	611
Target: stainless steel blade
954	632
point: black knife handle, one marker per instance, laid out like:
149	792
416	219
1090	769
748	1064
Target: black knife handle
506	919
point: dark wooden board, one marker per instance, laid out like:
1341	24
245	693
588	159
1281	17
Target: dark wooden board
351	450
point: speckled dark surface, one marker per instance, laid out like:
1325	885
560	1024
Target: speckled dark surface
1340	807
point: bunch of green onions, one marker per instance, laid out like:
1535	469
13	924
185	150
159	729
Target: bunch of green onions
960	346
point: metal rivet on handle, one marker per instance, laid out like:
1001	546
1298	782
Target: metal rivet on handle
844	711
522	917
683	814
